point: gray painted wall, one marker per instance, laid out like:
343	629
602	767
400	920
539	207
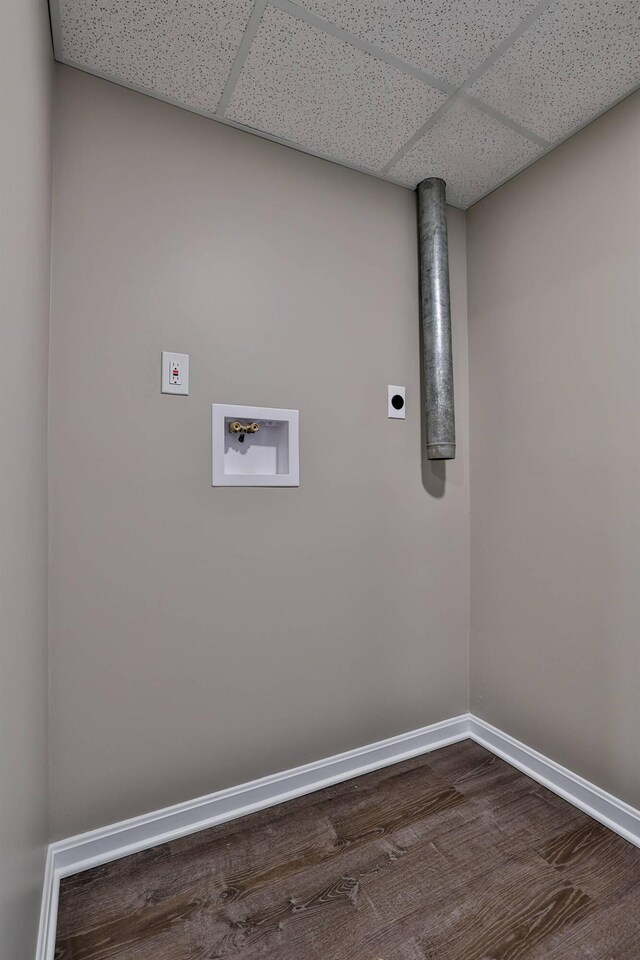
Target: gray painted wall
202	637
554	342
25	229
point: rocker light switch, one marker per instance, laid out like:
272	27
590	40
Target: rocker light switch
175	373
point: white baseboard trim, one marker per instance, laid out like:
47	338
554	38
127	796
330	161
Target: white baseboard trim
45	946
96	847
602	806
88	850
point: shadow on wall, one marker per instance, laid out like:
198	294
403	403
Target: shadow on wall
434	474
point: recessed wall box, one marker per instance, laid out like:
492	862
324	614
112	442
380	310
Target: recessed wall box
254	446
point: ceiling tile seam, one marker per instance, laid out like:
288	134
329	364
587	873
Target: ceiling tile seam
241	55
461	92
503	119
459	95
380	174
301	13
420	132
502	48
210	115
558	143
326	27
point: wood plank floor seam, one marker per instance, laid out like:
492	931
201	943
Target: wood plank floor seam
452	856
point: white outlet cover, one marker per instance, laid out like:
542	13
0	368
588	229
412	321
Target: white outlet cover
182	359
394	412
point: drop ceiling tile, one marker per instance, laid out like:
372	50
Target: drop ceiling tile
470	150
578	58
447	38
308	87
182	49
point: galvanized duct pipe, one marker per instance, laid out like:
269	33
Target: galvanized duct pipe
436	320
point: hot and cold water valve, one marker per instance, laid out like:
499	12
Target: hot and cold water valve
254	446
242	429
259	446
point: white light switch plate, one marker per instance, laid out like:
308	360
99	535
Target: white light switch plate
175	373
396	410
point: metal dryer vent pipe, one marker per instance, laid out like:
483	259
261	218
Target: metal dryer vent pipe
436	320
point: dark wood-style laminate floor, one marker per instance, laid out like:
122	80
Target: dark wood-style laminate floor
452	856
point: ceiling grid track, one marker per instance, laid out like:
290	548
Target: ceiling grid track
448	118
563	139
500	117
292	8
241	55
295	10
214	115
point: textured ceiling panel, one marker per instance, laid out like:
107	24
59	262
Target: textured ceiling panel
307	86
575	60
449	38
182	50
468	90
470	150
